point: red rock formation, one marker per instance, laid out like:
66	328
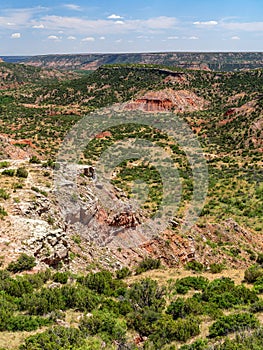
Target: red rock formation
9	149
166	100
23	142
103	134
125	220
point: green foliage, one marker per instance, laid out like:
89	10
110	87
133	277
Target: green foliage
200	344
21	172
260	259
257	306
104	324
253	273
167	330
148	264
233	323
34	160
23	263
102	282
3	212
223	293
182	308
61	277
4	194
66	297
143	320
216	268
123	273
194	266
258	285
4	164
25	323
9	172
146	293
57	338
243	341
196	283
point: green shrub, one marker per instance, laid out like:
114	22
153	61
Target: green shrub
148	264
258	285
216	268
9	172
4	164
25	323
60	277
80	298
43	302
3	212
22	172
257	306
4	194
23	263
104	324
253	273
101	282
34	160
181	308
122	273
146	293
218	287
233	323
143	321
167	330
199	344
196	283
56	338
243	341
194	266
260	259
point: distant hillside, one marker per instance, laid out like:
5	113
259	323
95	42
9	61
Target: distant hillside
14	75
222	61
229	116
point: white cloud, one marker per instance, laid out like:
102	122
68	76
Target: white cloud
206	23
40	26
245	26
161	22
193	37
71	37
72	7
119	22
113	16
173	37
102	38
235	37
16	35
88	38
53	37
19	17
118	41
102	27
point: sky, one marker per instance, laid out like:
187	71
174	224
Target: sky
32	27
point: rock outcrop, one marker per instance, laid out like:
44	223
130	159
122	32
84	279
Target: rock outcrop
167	100
51	247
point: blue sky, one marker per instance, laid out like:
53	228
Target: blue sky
29	27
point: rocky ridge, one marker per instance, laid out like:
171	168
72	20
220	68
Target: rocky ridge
83	233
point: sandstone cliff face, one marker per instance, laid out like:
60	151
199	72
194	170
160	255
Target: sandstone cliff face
9	149
76	230
167	100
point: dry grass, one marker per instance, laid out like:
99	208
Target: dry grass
12	340
164	275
